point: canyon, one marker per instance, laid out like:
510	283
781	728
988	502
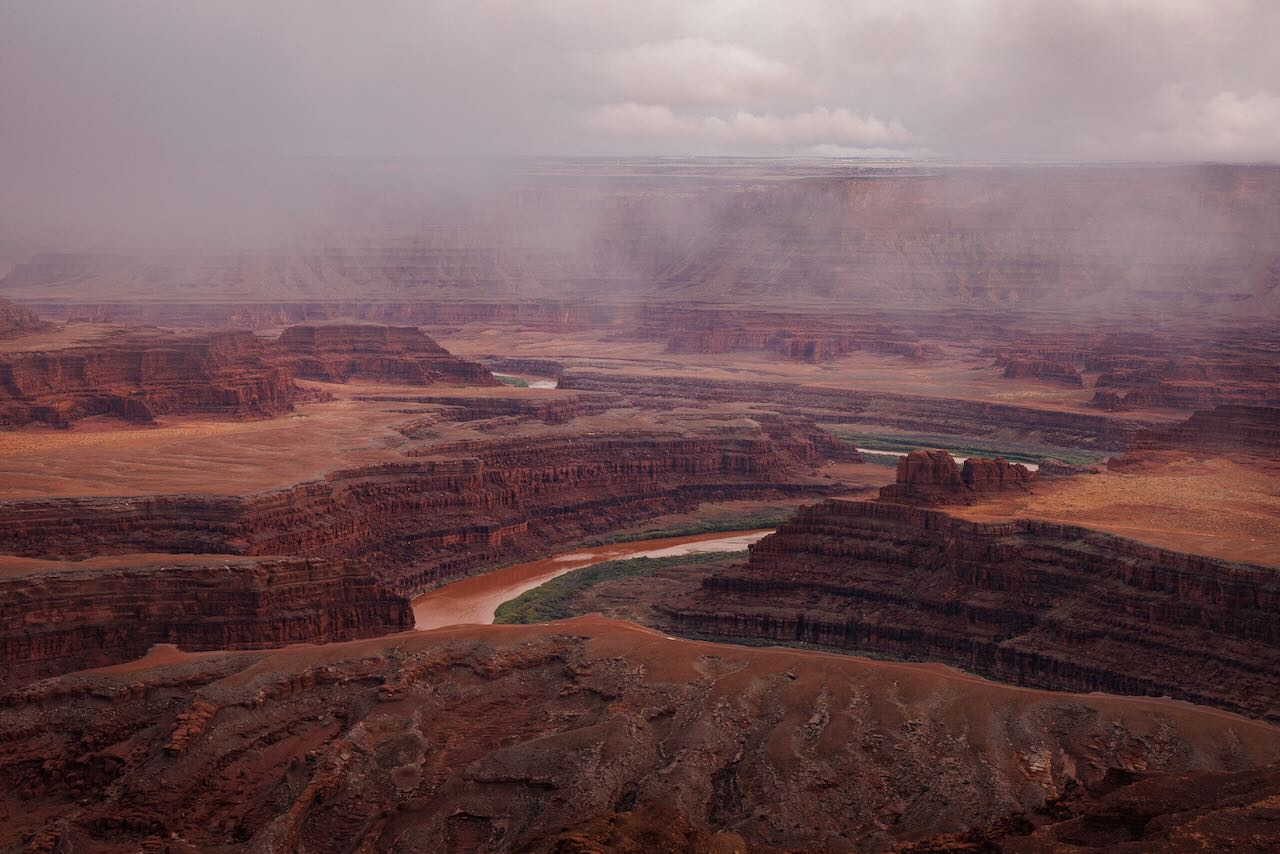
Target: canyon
1037	611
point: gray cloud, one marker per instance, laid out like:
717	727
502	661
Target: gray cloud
1062	79
122	101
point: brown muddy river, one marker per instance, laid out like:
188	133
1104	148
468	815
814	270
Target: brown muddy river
474	599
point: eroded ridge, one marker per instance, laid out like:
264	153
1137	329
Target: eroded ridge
584	735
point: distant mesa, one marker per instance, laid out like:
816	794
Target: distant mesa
1229	428
16	320
140	374
399	354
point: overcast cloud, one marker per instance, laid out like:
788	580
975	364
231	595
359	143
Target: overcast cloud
1181	79
114	106
1089	79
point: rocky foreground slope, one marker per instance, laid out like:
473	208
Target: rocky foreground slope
588	735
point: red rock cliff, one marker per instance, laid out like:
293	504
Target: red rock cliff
140	375
61	619
1030	602
455	508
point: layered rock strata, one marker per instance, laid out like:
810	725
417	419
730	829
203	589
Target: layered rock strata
16	320
65	618
144	374
141	374
933	477
453	508
1024	601
394	354
585	735
1225	429
1043	369
900	411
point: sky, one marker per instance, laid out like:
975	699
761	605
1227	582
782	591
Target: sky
123	120
118	81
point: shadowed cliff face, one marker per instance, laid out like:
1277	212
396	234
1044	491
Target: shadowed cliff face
1181	240
1030	602
543	738
67	617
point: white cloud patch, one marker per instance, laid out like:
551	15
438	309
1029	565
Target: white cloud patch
1227	126
746	130
691	71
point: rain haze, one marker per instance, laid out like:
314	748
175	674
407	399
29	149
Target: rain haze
673	426
111	106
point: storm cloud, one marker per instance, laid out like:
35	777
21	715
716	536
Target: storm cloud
198	113
1067	79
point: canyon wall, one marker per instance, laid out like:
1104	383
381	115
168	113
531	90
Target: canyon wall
1186	364
972	418
449	509
66	618
1225	429
141	374
144	374
1024	601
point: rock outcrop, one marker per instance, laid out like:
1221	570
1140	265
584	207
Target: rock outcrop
1024	601
584	735
393	354
933	477
144	374
65	618
16	320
